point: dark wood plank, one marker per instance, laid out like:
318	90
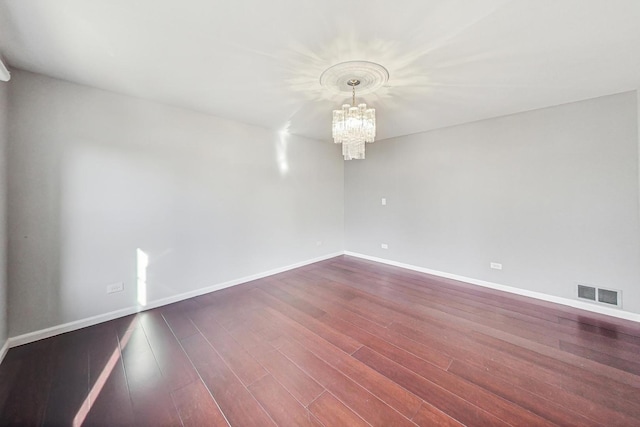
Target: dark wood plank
428	416
339	340
607	325
27	401
469	294
357	398
283	408
304	388
177	317
395	396
572	392
446	401
110	401
429	295
391	344
329	299
620	363
150	396
90	387
623	384
602	344
523	344
567	333
556	410
197	407
68	397
331	412
522	371
174	364
586	324
386	390
297	303
621	329
236	357
236	402
9	374
543	382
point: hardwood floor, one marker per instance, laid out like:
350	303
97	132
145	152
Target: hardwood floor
343	342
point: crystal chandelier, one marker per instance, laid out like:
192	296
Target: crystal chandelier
354	126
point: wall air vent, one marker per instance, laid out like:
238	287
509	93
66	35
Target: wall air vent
587	292
600	295
608	296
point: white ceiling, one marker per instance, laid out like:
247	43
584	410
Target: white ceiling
259	61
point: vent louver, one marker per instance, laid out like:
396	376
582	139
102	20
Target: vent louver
587	292
608	297
600	295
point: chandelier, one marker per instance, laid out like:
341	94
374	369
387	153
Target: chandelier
354	126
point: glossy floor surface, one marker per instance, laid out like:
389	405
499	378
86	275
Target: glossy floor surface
343	342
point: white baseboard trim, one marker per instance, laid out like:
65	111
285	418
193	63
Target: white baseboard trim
70	326
202	291
94	320
621	314
3	350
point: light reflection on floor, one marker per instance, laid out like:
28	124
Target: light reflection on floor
93	394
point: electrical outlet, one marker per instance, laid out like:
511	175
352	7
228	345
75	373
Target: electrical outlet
384	201
319	243
115	287
496	265
384	246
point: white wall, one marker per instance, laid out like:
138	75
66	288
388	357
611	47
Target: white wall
551	194
4	111
93	176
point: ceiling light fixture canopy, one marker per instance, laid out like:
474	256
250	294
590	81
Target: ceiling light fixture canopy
354	125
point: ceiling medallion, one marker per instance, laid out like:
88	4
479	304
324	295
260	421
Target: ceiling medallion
353	126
